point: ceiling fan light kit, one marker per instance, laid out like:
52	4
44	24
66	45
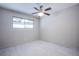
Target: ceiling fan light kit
41	14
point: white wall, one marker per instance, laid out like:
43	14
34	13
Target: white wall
62	27
11	37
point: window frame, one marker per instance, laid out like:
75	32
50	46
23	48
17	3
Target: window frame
24	22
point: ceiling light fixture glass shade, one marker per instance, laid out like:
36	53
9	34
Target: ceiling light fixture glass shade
41	14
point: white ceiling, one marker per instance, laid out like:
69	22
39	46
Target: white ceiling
28	7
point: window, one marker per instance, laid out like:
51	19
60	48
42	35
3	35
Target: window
22	23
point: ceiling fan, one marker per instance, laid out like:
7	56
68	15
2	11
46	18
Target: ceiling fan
41	11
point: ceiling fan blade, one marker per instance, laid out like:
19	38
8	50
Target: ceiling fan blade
35	8
35	13
48	9
41	6
47	14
